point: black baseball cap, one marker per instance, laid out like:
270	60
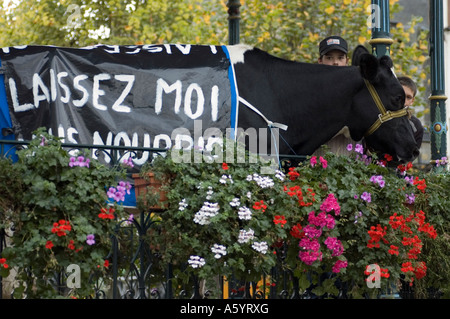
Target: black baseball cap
333	43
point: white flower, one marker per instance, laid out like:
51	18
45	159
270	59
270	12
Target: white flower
235	202
262	181
245	213
245	235
219	250
196	261
205	213
209	193
182	205
260	246
280	175
224	178
249	178
249	195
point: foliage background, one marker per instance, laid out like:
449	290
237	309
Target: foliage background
289	29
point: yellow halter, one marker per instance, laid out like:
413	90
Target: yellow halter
385	115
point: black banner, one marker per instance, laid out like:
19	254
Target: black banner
147	95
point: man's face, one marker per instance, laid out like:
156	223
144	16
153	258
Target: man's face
409	100
334	57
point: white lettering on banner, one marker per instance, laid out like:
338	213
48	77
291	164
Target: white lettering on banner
18	47
15	98
115	48
207	142
162	137
96	92
41	92
131	49
150	48
200	101
134	143
97	140
184	49
76	85
122	139
64	99
117	106
71	131
66	138
38	83
163	86
214	102
53	85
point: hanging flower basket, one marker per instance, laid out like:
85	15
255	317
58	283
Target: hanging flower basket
148	184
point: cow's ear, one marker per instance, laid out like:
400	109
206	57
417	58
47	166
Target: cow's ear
357	53
369	64
386	61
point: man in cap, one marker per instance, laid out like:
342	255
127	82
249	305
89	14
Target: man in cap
333	51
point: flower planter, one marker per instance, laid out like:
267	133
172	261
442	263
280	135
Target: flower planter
142	185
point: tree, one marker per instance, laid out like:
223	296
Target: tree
289	29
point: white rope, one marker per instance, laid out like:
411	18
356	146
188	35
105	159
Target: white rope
269	123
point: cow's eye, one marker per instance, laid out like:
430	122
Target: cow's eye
399	101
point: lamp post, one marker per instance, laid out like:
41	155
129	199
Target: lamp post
233	21
381	39
438	127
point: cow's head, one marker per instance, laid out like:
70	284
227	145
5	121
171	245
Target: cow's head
394	134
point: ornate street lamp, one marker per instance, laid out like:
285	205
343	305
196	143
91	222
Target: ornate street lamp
381	38
438	125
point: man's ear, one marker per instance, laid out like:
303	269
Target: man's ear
369	65
357	53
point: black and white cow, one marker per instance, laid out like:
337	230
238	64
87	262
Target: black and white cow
317	101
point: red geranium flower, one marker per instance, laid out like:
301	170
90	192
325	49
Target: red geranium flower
260	205
49	244
279	219
107	214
